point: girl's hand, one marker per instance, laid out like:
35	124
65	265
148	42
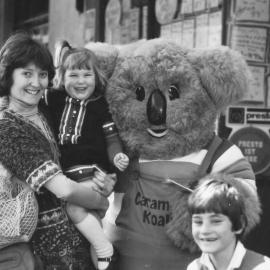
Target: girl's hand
105	182
121	161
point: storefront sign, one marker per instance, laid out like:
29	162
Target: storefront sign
246	115
258	116
255	145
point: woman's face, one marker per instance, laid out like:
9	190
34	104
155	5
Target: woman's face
29	83
80	83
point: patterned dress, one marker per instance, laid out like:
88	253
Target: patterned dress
32	157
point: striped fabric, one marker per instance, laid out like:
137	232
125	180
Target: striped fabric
72	120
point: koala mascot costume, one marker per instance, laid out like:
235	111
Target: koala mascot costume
165	101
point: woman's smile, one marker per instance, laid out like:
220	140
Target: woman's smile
33	91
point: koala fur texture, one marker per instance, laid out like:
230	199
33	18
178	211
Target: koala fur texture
165	101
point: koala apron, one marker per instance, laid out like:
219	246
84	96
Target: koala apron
145	211
139	235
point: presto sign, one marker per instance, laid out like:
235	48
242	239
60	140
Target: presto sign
250	132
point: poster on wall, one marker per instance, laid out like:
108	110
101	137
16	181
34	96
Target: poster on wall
256	85
252	10
250	41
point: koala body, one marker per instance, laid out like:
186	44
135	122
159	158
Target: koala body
165	101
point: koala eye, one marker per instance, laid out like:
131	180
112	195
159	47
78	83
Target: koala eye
173	92
140	93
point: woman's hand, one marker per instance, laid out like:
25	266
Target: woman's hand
121	161
105	182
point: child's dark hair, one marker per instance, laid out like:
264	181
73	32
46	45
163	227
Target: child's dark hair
19	50
218	196
79	58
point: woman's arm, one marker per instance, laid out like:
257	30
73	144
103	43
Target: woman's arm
26	154
77	193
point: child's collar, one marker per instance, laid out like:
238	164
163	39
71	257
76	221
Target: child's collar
235	262
92	98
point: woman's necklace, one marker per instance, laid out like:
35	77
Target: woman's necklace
29	114
22	108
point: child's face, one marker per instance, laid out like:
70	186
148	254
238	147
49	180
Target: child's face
213	233
80	83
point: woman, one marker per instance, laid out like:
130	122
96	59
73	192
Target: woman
28	153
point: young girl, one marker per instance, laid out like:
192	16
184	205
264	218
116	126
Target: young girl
223	211
86	134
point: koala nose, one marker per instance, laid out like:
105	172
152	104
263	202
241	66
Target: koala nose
156	108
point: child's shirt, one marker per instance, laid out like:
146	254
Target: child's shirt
242	259
84	129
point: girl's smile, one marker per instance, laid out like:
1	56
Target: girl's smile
80	83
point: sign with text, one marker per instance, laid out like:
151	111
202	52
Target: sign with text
255	145
258	116
245	115
250	41
252	10
256	91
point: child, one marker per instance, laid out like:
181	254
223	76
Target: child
86	135
222	210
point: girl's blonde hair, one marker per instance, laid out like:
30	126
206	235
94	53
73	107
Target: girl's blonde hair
67	57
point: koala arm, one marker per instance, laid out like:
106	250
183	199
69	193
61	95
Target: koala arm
114	145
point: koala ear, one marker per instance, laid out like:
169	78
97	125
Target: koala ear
106	55
223	72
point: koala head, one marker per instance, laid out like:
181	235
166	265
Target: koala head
165	99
